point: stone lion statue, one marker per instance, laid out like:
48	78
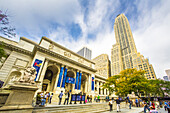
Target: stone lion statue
29	75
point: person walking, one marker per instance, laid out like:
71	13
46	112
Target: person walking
98	98
146	106
67	95
118	104
130	103
38	99
60	97
110	104
136	102
51	96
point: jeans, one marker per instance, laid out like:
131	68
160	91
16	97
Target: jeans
43	102
110	107
129	106
145	107
66	100
60	101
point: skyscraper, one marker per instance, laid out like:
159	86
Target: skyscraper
124	53
85	52
102	65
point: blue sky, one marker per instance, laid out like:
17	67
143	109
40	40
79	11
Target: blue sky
77	23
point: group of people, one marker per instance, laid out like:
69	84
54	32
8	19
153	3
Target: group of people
150	106
117	104
43	98
97	98
67	96
89	99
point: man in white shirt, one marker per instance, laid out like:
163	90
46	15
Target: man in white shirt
110	104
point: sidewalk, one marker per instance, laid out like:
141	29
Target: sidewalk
126	110
159	111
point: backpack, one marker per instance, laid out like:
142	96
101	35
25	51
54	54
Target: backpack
109	103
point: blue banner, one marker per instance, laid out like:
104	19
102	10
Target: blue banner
70	80
83	98
78	98
37	64
92	84
73	97
79	85
64	78
60	76
77	76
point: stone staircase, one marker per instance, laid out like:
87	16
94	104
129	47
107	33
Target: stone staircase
76	108
7	67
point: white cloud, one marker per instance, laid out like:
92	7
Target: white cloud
150	29
152	35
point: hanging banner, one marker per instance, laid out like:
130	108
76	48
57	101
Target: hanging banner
92	84
70	80
37	64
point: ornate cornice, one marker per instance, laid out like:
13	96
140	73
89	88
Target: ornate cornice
15	48
58	45
100	77
44	50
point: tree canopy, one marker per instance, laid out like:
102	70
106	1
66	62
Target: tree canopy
133	80
5	27
2	53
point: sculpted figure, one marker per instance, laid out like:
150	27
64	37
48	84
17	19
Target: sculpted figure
29	75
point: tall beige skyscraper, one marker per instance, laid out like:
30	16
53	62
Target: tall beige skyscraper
124	53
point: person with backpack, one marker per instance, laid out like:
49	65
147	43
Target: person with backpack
60	97
110	104
146	106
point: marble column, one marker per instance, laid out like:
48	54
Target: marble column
79	84
101	90
76	82
60	76
89	83
97	87
86	86
64	78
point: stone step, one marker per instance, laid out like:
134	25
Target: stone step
74	108
7	67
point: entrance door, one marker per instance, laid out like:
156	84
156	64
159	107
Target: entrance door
44	87
50	78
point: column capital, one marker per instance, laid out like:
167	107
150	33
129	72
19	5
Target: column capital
66	67
77	71
62	65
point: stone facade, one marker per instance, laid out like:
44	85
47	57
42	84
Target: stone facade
53	63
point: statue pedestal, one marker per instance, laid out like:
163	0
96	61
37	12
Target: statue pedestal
20	97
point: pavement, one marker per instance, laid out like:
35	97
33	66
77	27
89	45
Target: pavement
126	110
134	110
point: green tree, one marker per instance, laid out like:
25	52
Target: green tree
2	53
159	87
5	27
133	80
129	80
